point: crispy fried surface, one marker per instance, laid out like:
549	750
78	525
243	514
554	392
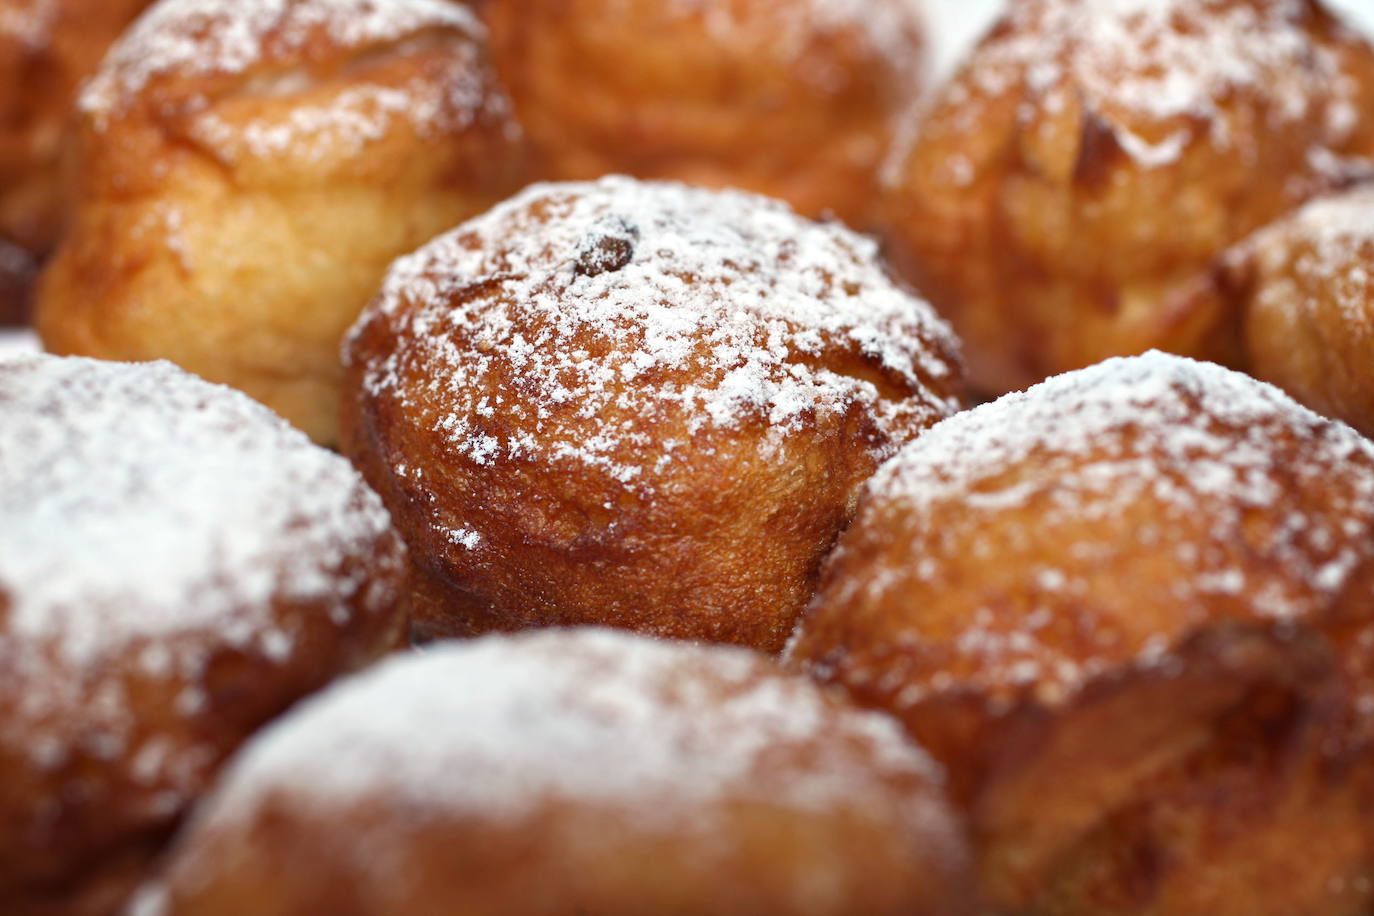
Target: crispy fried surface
234	214
173	630
1121	608
1304	289
636	404
1071	187
794	99
604	773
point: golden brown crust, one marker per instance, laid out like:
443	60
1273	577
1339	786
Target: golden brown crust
47	47
636	404
795	100
186	613
1304	291
772	797
1071	187
1121	608
235	214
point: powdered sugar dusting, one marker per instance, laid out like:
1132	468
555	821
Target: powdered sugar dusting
658	730
1261	500
28	22
1333	239
1159	60
355	117
593	293
886	25
141	504
226	37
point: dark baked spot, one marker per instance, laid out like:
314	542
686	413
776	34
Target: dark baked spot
610	246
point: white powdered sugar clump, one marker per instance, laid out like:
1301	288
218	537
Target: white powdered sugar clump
141	504
190	38
620	303
1250	497
28	22
1333	239
498	727
1160	60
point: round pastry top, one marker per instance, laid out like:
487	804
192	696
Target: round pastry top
1038	522
1328	241
656	730
622	302
187	40
1143	62
141	503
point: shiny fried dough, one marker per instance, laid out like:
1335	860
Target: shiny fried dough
250	168
636	404
1070	189
1131	610
47	47
568	772
793	99
1304	289
177	566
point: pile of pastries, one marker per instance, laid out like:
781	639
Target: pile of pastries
677	456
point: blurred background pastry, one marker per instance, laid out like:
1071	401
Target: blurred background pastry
248	170
794	99
638	404
1131	610
574	772
47	47
1304	292
177	566
1069	189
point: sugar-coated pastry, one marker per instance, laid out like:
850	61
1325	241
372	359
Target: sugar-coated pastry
47	47
1304	291
1132	611
643	405
795	99
177	566
248	170
1068	191
573	772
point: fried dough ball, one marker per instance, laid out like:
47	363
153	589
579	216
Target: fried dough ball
1304	288
1067	193
47	47
637	404
177	566
1131	610
249	169
795	99
573	772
